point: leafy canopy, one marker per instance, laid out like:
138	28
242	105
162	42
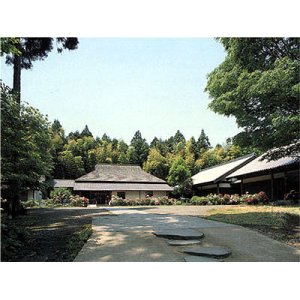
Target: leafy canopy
258	84
25	144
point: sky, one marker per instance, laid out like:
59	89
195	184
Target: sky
118	86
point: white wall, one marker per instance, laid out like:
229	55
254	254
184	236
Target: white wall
36	195
140	194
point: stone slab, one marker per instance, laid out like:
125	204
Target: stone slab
192	258
208	251
179	234
183	242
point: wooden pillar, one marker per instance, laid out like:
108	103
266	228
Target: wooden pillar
218	188
242	186
272	187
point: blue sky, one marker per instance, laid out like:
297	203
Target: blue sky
117	86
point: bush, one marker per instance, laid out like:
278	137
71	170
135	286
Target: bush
196	200
115	201
78	201
259	198
60	195
234	199
215	199
31	203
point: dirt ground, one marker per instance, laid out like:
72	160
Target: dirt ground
50	234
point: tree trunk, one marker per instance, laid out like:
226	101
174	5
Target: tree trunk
17	78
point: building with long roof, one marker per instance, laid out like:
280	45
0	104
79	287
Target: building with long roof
275	177
214	179
124	181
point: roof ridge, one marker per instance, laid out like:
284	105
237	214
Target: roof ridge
113	165
227	162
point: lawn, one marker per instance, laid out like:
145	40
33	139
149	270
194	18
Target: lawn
55	234
280	223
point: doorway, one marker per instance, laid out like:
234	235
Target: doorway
101	198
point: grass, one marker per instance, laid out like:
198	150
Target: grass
78	239
280	223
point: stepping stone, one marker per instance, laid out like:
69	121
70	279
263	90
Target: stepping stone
179	234
192	258
183	242
208	251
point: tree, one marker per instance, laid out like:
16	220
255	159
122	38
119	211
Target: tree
74	135
180	177
22	52
122	150
25	148
72	165
156	164
203	143
258	84
105	138
138	150
86	132
179	137
58	141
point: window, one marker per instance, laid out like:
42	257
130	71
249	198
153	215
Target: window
149	194
121	195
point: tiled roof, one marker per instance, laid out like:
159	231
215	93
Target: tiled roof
258	165
63	183
108	186
119	173
219	172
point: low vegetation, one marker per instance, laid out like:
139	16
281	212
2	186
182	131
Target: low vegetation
280	223
48	234
115	201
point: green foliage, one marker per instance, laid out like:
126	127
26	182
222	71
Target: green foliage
138	150
12	238
202	144
78	201
77	241
180	177
156	164
60	195
196	200
26	144
9	46
31	203
258	84
115	201
32	49
78	154
259	198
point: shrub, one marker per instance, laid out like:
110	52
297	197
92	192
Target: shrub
31	203
226	198
78	201
234	199
262	197
116	201
60	195
259	198
196	200
215	199
164	200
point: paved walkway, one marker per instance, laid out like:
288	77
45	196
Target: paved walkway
126	235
